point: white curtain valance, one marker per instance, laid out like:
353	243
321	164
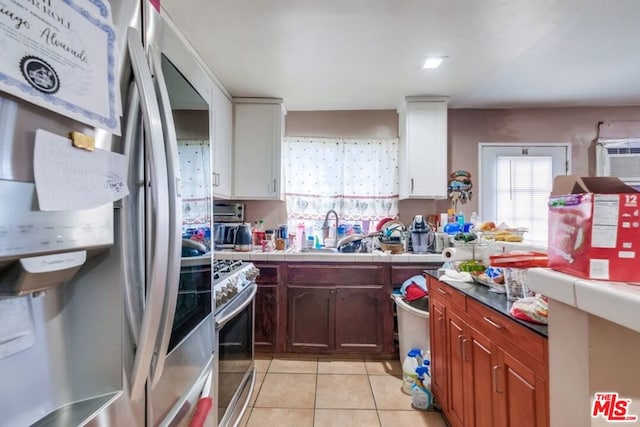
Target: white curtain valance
358	178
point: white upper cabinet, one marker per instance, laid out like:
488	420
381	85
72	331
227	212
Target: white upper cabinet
222	144
423	148
257	149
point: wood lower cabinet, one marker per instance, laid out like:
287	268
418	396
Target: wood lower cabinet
311	319
267	309
458	380
439	351
338	309
357	319
487	370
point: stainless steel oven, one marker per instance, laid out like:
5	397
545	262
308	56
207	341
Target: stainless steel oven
193	304
234	325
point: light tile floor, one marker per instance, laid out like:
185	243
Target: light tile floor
322	392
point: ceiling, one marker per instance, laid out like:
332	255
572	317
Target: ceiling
367	54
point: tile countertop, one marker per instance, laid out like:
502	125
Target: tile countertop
258	255
614	301
497	302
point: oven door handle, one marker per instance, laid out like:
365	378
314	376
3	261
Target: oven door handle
224	319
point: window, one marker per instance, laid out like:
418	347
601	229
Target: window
357	178
515	183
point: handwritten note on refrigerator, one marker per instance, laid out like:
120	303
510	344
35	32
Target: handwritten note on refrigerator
69	178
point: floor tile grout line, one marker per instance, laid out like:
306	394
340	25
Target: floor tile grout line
375	401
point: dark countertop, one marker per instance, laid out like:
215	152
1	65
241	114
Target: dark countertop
497	302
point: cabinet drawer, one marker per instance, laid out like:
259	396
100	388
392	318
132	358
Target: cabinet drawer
269	273
505	331
400	273
445	292
323	274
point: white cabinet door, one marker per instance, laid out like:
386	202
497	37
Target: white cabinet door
257	169
423	150
222	144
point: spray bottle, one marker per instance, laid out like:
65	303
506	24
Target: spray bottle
421	397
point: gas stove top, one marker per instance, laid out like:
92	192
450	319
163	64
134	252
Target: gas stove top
223	267
230	278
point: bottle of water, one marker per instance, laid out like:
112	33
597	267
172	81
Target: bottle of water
474	220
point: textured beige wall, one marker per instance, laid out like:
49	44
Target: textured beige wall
342	124
577	126
467	128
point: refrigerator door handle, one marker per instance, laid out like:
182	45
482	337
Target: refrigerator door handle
157	186
132	224
175	214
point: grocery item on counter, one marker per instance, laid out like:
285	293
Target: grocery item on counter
531	309
501	233
472	266
465	237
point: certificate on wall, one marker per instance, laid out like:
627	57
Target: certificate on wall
61	55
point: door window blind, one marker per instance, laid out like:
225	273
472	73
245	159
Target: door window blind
523	185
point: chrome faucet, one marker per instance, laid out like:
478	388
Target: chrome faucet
325	225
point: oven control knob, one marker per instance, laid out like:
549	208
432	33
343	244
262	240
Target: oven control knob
252	273
219	299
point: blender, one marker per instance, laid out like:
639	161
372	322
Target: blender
422	235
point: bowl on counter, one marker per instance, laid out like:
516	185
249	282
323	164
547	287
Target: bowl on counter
351	243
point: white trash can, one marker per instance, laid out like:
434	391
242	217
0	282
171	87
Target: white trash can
413	327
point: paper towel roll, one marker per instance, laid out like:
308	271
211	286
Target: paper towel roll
444	219
458	254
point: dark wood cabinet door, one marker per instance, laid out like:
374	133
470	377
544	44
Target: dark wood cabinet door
359	314
310	319
266	318
439	364
480	353
457	372
523	393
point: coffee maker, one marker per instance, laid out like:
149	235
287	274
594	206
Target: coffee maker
422	235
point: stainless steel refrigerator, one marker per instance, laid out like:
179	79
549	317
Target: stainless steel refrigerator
108	322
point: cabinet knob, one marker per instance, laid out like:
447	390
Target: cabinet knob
412	185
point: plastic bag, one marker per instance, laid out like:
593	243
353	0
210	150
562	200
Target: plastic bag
519	260
531	309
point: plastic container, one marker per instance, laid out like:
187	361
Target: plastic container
515	267
516	283
411	362
301	236
413	327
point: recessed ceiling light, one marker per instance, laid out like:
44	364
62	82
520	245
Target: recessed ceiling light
432	62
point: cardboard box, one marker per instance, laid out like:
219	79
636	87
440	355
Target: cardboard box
594	228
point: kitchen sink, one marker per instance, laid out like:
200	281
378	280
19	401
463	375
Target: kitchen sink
320	250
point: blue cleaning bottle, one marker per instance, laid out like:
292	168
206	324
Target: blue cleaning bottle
421	397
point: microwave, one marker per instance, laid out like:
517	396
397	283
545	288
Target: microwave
228	212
